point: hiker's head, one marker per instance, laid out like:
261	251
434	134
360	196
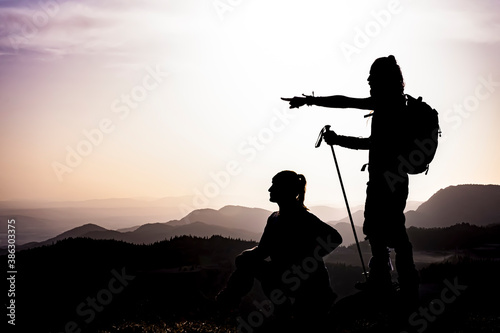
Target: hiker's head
288	188
386	78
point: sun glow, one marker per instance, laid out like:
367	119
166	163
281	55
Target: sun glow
219	100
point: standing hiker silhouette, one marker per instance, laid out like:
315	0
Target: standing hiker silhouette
295	278
384	224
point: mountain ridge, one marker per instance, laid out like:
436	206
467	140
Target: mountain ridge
147	234
468	203
475	204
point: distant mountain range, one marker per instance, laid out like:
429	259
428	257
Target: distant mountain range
148	233
39	220
474	204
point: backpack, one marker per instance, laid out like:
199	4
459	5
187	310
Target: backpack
421	141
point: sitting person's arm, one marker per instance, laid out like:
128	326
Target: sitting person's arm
261	251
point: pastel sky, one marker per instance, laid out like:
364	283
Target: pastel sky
114	98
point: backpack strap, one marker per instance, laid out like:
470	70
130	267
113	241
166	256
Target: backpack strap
410	99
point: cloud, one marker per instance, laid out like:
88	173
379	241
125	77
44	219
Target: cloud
28	31
50	29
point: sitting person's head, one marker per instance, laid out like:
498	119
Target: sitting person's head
288	189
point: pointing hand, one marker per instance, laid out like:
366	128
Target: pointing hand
295	102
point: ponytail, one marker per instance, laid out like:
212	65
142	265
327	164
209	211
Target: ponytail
301	188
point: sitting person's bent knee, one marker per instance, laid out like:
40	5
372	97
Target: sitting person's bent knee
245	259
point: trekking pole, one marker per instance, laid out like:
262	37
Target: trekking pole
318	143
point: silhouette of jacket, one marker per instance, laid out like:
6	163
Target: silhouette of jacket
289	239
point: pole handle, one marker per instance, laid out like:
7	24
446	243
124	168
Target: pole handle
325	129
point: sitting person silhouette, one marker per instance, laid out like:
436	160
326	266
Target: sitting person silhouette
295	278
384	224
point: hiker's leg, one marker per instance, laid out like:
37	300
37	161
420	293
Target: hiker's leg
405	266
374	227
407	274
380	262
